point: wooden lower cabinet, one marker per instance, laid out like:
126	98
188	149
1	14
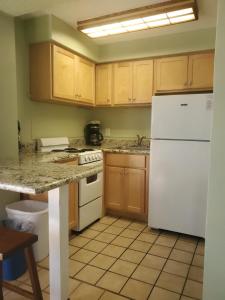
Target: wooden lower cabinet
73	202
134	188
126	184
114	185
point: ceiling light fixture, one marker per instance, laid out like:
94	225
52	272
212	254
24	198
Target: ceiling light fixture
148	17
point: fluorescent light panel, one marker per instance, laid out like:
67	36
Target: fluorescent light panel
152	21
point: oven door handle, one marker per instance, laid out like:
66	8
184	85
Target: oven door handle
92	178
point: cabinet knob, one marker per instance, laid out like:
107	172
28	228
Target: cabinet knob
134	99
129	99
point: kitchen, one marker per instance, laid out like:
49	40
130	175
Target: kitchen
53	120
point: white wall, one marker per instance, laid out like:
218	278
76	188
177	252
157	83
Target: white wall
214	276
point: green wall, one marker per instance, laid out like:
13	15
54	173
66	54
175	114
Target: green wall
42	119
8	111
124	122
214	287
161	45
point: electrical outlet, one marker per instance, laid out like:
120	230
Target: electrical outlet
107	132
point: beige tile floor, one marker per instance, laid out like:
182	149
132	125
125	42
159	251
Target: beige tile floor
116	259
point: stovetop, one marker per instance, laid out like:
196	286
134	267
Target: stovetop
73	150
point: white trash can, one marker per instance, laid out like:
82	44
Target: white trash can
37	213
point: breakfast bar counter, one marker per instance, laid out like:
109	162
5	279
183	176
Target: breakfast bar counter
34	175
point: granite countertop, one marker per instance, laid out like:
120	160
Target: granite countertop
37	173
127	150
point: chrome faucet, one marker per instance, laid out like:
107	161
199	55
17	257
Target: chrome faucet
140	139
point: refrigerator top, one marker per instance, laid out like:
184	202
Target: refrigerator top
182	117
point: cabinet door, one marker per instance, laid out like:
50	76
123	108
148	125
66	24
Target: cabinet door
103	84
201	71
114	188
63	73
123	83
135	180
171	73
85	83
73	205
142	81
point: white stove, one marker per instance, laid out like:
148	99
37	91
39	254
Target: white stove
90	188
85	155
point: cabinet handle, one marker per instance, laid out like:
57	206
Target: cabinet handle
129	99
134	99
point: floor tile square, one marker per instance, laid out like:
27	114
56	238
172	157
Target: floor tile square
95	246
89	233
153	261
129	233
99	226
108	220
161	294
114	230
122	267
176	268
137	290
182	256
85	292
111	296
79	241
198	261
75	267
145	274
152	230
161	251
90	274
132	256
102	261
200	248
113	282
105	237
122	241
45	263
147	237
171	282
193	289
72	250
43	278
114	251
140	246
122	223
185	246
165	241
196	274
139	226
84	255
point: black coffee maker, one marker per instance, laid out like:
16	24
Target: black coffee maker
93	135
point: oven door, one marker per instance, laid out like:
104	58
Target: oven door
90	188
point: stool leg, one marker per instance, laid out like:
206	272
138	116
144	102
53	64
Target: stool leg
1	291
33	273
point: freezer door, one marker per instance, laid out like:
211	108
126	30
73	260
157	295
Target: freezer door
186	117
178	186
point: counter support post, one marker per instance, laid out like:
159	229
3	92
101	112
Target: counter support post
58	242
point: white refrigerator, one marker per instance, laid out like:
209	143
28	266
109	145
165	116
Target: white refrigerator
179	162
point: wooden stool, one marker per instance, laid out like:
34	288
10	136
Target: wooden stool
10	242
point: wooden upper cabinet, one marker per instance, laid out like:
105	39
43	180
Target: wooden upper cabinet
114	187
135	190
85	81
171	73
103	84
63	73
123	83
142	81
200	73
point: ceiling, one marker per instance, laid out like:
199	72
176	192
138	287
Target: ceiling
71	11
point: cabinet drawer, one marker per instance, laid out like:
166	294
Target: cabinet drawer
125	160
